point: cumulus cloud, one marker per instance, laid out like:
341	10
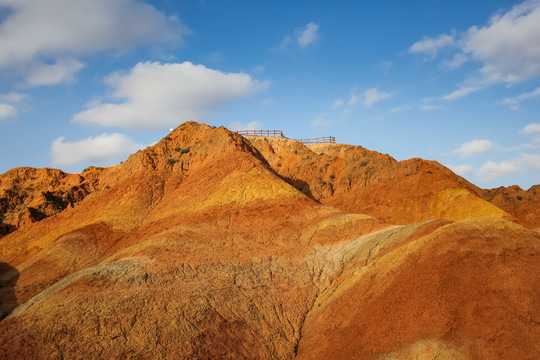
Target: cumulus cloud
155	95
508	49
61	72
304	37
430	46
458	60
47	36
492	170
239	125
7	111
532	130
514	102
12	97
369	97
509	46
531	161
307	35
475	147
105	149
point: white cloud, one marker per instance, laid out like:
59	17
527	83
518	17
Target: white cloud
531	129
373	96
7	111
238	125
307	35
155	95
430	46
475	147
509	46
12	97
458	60
531	161
369	97
61	72
462	91
37	33
492	170
461	170
508	49
514	102
105	149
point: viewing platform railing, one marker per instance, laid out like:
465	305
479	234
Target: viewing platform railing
261	133
279	133
319	140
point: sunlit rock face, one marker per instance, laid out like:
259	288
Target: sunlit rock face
209	245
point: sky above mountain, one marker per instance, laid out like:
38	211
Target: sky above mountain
88	82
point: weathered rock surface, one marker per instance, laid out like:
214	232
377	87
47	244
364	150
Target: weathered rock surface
357	180
28	195
459	292
208	253
524	205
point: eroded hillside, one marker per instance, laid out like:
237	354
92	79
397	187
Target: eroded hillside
197	248
356	180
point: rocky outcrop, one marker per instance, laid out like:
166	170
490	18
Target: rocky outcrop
524	205
28	195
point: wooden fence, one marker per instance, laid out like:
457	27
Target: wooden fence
319	140
279	133
261	133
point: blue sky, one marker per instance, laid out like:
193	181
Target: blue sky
88	82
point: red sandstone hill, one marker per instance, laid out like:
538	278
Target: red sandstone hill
211	253
523	205
356	180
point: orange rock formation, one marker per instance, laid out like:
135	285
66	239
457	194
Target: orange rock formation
263	249
357	180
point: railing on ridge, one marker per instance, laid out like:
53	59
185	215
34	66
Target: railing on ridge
319	140
279	133
261	133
